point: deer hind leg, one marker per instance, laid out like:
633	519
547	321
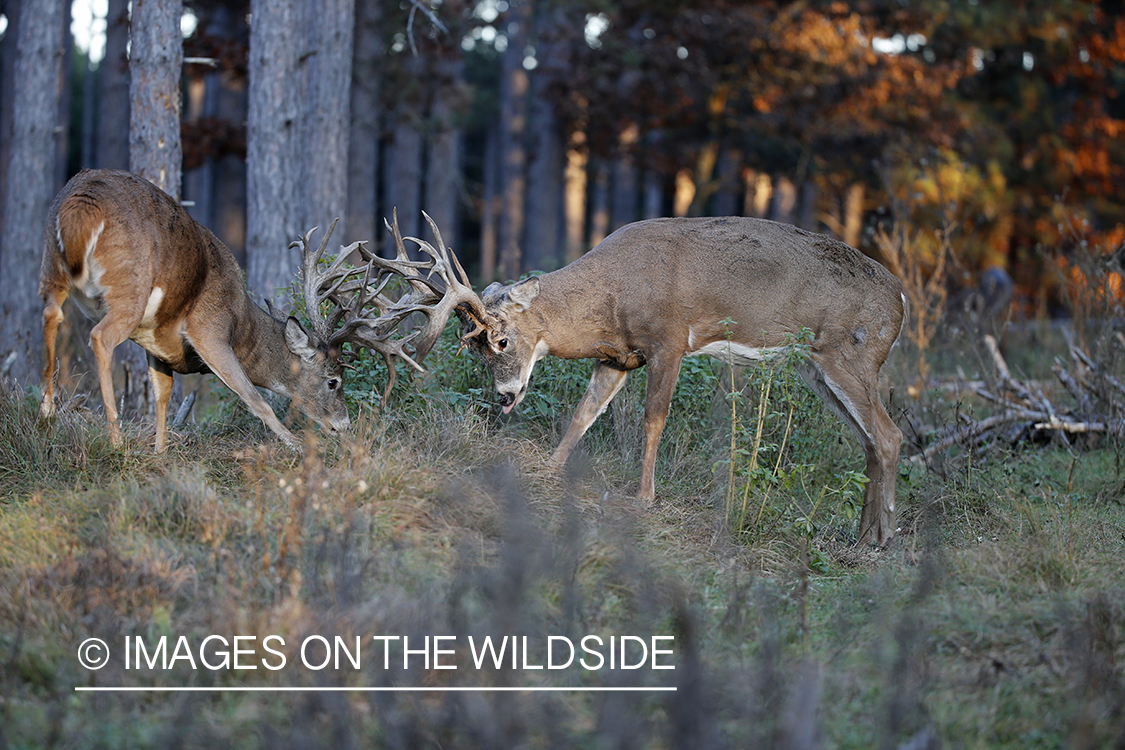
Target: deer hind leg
605	382
855	399
161	376
52	318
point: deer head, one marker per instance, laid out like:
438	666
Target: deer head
136	262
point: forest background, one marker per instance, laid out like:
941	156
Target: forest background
530	129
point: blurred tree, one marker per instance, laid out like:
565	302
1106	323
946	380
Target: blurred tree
112	147
363	141
156	54
31	165
327	59
273	156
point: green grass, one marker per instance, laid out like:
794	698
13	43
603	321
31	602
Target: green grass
995	619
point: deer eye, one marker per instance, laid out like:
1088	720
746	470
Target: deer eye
333	383
502	344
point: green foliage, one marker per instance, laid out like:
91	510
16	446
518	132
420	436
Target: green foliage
780	477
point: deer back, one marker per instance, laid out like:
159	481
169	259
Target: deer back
684	283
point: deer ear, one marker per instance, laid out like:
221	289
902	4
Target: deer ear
492	289
522	294
299	340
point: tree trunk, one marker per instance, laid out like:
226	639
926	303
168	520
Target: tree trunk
488	204
544	184
810	196
652	202
7	93
272	147
513	127
402	190
443	165
759	193
363	142
112	149
324	145
155	71
784	200
853	214
599	203
726	201
574	206
156	61
625	182
684	193
31	166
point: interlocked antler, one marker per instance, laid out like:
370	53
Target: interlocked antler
357	294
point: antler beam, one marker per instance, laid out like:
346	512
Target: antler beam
363	312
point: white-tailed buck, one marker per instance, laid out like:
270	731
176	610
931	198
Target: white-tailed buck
136	262
657	291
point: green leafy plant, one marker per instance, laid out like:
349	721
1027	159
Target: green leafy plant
779	475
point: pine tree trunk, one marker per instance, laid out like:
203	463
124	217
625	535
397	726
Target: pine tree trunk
156	61
272	147
513	127
488	204
363	142
574	199
443	165
7	94
402	190
599	203
112	149
31	166
324	147
544	184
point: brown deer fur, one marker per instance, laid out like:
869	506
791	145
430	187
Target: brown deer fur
659	290
136	262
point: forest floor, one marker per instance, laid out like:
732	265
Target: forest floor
996	618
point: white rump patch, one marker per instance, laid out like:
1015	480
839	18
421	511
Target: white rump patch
741	354
93	241
152	307
88	282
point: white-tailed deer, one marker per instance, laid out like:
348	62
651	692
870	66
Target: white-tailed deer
657	291
135	261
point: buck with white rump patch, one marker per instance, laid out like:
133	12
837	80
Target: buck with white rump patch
135	261
656	291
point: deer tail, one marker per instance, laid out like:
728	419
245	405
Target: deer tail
80	223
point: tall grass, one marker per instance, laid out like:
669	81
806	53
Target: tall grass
993	620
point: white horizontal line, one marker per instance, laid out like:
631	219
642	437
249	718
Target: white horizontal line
238	689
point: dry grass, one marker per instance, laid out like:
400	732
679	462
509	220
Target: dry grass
993	621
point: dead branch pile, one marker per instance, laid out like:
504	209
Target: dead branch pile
1023	412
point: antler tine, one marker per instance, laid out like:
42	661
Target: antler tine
371	317
311	278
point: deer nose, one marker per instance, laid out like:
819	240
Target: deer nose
339	425
507	399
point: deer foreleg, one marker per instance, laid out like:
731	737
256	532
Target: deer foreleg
662	376
604	385
220	358
161	376
104	338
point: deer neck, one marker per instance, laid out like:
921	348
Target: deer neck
564	321
260	346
